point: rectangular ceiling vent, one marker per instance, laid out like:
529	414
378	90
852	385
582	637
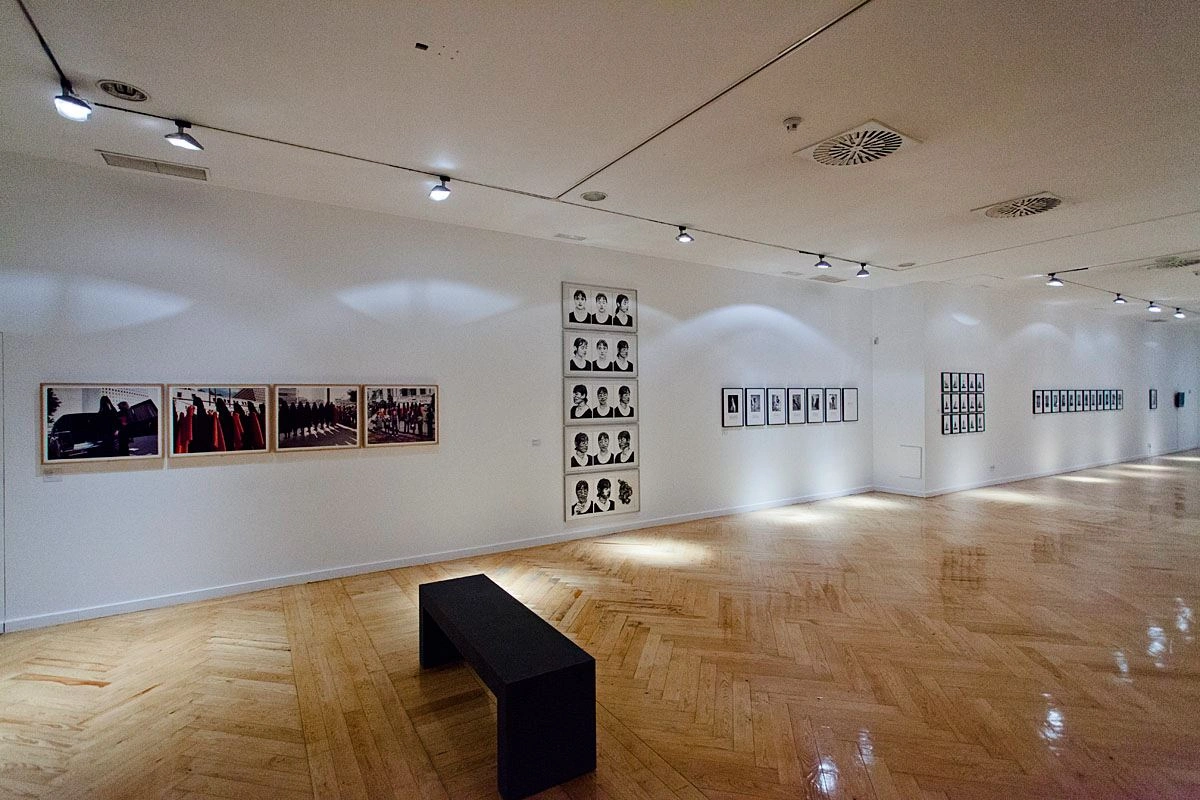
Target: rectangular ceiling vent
827	279
157	167
570	237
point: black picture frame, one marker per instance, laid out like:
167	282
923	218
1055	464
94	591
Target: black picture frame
1153	399
850	404
776	406
756	407
797	410
733	407
814	402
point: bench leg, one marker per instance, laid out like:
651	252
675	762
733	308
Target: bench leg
436	649
546	731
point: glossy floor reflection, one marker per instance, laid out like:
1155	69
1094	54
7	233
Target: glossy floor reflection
1032	640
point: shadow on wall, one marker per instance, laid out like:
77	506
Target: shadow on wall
443	303
36	302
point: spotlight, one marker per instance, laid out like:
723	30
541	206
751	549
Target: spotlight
1119	300
1179	314
1054	281
71	107
684	237
862	271
822	264
181	138
441	191
1154	308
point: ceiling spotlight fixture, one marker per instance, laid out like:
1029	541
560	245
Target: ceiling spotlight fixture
1054	281
1179	313
684	237
69	106
180	138
822	264
862	271
1119	300
440	192
1154	308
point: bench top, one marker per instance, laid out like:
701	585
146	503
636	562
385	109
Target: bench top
495	632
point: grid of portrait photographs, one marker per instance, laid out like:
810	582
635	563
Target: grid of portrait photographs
218	420
963	403
600	401
599	307
401	415
741	407
100	422
1066	401
597	493
587	449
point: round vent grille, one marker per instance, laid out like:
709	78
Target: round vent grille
123	91
1024	207
857	147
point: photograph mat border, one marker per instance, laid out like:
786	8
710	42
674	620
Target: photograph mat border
437	414
45	433
291	450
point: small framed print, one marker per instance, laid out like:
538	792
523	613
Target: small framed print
100	422
955	423
795	406
598	400
1090	399
1107	400
970	423
1037	401
756	407
979	381
945	424
970	382
592	354
971	402
733	415
1120	399
1062	399
850	405
815	403
1153	399
599	307
955	403
1071	400
979	402
401	415
316	417
979	428
595	494
946	382
776	406
947	403
833	405
1053	401
217	420
1079	399
594	447
955	384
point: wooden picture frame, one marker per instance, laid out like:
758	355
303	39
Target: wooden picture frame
100	422
316	416
600	447
599	302
588	401
596	494
402	415
600	352
218	419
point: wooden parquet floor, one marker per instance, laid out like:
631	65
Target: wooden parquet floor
1032	640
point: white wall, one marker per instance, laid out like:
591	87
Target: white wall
898	361
114	276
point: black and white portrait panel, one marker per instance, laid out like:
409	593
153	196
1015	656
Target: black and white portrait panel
833	405
595	494
588	353
592	447
596	400
776	406
795	405
732	413
599	307
815	402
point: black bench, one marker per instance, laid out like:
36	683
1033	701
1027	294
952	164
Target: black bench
545	684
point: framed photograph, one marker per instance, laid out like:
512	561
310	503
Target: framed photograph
100	422
970	381
850	405
1089	399
815	403
316	417
970	402
795	405
979	381
955	423
217	420
1108	400
595	447
595	494
756	407
945	381
599	400
1037	401
1062	399
1079	399
945	424
979	402
955	386
733	413
955	403
400	415
777	406
1071	400
970	423
591	354
979	427
833	405
1153	399
1120	399
947	403
599	307
1054	407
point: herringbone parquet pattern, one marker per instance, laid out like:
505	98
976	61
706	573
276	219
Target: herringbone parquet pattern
1032	640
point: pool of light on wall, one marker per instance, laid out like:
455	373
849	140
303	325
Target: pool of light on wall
34	302
436	301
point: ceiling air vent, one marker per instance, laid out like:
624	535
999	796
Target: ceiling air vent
827	279
868	142
123	91
1037	203
157	167
1175	262
570	237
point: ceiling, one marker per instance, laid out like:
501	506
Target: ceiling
676	111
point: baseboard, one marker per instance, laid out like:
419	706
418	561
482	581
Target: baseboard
214	592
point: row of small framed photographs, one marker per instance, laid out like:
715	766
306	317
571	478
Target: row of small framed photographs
963	423
1057	401
955	402
962	381
86	422
741	407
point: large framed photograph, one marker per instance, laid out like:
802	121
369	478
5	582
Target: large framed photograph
595	494
100	422
815	403
217	420
595	400
850	405
733	415
833	405
316	417
795	406
587	353
595	447
401	415
599	307
776	406
756	407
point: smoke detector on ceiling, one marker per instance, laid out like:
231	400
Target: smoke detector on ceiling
868	142
1027	206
